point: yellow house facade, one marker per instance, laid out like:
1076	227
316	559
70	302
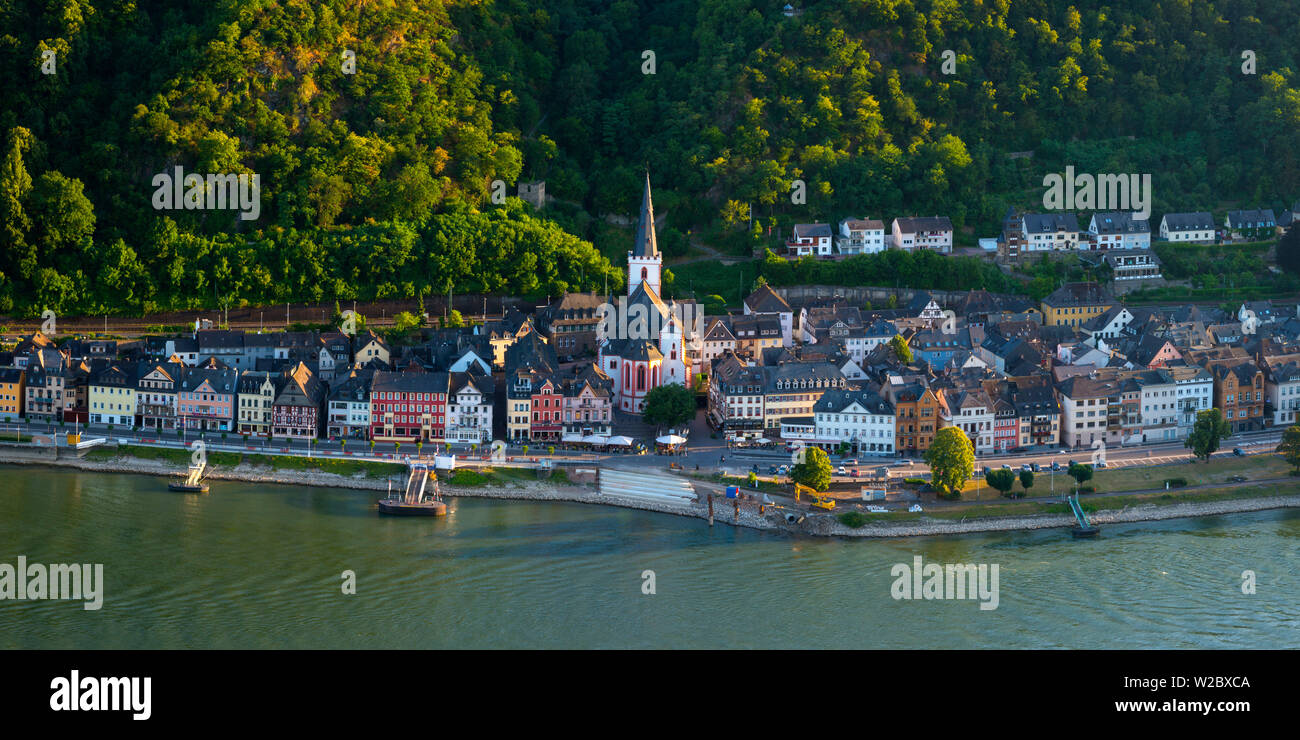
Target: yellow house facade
13	388
1073	304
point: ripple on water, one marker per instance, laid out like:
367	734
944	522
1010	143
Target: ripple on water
259	566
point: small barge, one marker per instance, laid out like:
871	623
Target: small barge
193	483
418	499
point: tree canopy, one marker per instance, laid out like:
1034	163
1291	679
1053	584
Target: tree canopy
383	131
951	458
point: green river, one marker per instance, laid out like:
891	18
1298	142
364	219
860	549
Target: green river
260	566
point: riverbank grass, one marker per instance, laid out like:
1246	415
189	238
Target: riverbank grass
1141	477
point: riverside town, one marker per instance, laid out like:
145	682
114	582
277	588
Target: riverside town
464	325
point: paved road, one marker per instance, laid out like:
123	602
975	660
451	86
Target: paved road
703	454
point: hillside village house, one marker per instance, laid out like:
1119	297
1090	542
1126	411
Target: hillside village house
296	412
588	404
1119	230
155	395
469	409
767	302
111	397
407	406
718	341
255	399
1188	228
1074	304
1133	264
368	347
1048	232
793	388
860	236
13	391
933	232
205	399
1257	224
348	407
861	419
919	413
1282	388
570	323
735	403
809	239
972	412
755	333
45	386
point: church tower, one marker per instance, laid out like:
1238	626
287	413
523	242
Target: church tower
644	261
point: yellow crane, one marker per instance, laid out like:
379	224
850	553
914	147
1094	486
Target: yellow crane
814	498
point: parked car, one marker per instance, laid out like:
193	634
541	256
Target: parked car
987	470
1101	463
854	472
783	469
1025	468
771	470
1056	466
1005	466
904	462
1238	451
1033	467
851	461
842	471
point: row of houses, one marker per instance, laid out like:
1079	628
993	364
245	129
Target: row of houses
1077	370
1023	233
867	236
1124	233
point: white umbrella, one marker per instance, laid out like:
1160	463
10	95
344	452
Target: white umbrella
670	439
596	439
571	438
762	441
621	441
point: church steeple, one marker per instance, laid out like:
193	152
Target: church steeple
645	244
644	261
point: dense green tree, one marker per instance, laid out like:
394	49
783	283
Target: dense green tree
1001	479
669	405
901	349
1289	447
951	458
814	470
1208	431
1081	473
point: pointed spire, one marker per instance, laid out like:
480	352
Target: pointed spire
645	244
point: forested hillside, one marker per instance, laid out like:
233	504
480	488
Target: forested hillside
376	184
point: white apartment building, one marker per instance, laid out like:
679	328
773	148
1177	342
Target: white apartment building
862	419
1119	230
972	412
1191	228
861	236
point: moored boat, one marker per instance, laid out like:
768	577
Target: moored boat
193	483
419	499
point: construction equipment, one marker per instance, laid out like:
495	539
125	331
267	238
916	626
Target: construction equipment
814	498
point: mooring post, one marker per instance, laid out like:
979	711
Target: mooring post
710	508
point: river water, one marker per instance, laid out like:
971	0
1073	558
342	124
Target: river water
260	566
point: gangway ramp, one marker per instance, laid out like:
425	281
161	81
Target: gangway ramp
651	487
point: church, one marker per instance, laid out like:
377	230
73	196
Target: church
640	360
